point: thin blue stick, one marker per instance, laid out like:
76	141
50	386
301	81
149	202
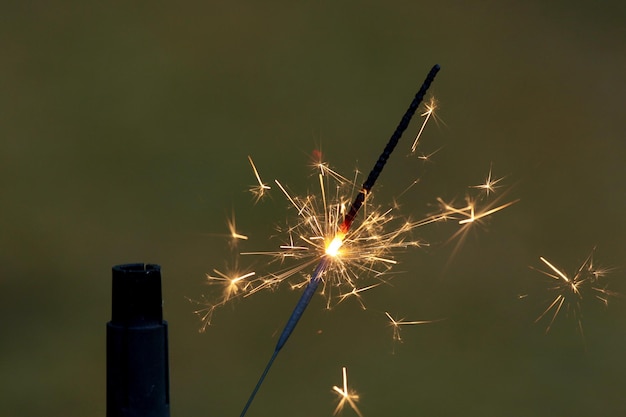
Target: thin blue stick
316	277
305	298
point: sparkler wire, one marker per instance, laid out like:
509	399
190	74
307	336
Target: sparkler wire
319	271
393	141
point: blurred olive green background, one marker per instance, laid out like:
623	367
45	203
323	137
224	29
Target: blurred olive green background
125	131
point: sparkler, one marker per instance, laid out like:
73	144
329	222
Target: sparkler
324	238
341	235
571	289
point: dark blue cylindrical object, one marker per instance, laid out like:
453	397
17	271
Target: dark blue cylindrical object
137	352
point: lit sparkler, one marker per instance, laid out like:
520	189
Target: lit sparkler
340	235
348	242
571	289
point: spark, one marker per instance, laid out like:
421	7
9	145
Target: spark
233	283
474	212
413	184
427	157
571	289
356	292
234	234
429	110
346	396
260	188
473	216
401	322
325	170
490	185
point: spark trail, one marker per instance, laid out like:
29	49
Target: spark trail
346	396
333	247
571	289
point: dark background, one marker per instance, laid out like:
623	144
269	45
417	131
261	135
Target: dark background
125	131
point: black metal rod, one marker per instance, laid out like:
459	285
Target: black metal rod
137	348
391	145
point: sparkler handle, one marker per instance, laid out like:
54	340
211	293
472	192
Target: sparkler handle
304	301
307	294
393	141
258	384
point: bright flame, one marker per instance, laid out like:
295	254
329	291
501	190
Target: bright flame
333	247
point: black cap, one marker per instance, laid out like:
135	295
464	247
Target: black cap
137	351
136	296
